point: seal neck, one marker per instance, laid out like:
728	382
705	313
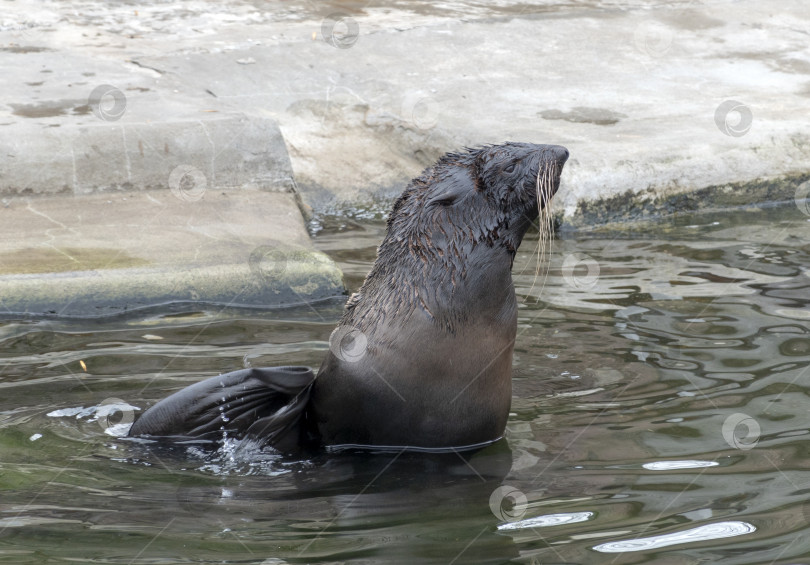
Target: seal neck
471	283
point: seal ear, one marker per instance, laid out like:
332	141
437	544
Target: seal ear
451	189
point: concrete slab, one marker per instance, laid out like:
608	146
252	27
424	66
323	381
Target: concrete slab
654	100
103	254
642	93
118	193
223	152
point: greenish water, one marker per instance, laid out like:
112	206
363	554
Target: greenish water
660	415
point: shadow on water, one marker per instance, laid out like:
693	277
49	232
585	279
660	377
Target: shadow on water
659	415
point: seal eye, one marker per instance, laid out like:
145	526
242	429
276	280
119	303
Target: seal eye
509	169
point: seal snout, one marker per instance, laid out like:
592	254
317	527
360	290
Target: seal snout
560	153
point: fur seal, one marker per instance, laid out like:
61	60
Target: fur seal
422	356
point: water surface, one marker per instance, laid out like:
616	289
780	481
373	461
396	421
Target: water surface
660	415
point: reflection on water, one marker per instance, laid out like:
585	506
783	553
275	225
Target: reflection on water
673	465
547	520
702	533
659	415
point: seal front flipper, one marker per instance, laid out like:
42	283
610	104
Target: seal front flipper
266	404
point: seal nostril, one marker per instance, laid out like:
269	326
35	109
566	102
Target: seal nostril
562	153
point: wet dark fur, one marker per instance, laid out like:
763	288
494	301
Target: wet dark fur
462	202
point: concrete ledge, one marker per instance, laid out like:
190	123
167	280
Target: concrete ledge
659	100
650	205
107	254
231	151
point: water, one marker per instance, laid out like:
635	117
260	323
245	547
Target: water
660	416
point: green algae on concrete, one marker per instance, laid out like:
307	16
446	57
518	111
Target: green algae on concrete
58	260
655	204
310	278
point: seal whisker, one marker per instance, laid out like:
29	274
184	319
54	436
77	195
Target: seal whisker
552	173
544	191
